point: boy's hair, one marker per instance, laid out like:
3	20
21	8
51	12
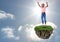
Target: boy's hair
42	4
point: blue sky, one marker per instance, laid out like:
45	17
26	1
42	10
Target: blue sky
18	15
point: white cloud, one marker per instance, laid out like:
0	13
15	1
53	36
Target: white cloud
19	29
27	31
49	23
4	14
9	33
31	35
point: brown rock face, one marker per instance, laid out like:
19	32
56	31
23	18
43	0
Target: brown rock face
45	34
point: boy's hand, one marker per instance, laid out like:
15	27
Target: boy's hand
46	4
38	4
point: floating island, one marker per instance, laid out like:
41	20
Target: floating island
43	31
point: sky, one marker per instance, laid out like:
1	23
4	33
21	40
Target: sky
18	18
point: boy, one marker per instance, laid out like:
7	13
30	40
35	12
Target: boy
43	11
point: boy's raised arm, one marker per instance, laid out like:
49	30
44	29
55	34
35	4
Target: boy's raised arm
38	4
46	4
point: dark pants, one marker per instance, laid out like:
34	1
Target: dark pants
43	18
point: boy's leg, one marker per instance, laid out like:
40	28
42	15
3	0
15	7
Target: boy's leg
45	18
42	18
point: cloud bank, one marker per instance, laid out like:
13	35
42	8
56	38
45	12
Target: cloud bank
31	33
4	14
9	33
28	31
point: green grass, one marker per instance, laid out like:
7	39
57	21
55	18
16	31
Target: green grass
43	27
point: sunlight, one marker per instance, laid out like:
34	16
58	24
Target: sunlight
36	10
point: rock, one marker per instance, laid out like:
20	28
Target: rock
43	31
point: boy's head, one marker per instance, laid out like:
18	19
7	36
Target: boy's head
42	4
